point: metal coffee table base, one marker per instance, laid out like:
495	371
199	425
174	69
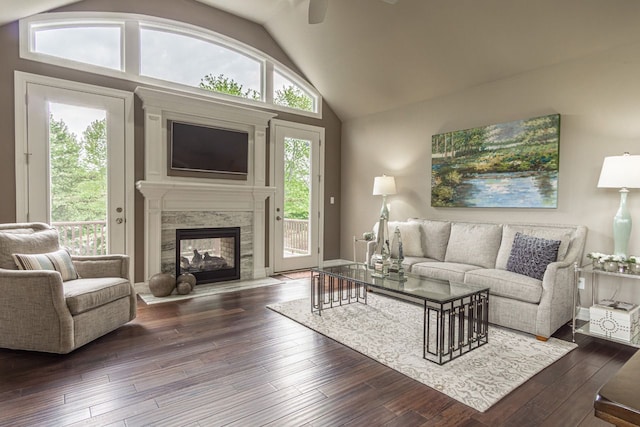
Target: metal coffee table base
328	291
451	328
456	327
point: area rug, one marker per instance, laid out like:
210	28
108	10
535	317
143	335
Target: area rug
207	290
391	332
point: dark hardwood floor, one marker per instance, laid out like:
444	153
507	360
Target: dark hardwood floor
227	360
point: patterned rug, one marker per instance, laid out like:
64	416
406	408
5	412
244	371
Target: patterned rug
205	290
390	332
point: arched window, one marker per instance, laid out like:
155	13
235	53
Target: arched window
165	53
96	44
193	61
289	94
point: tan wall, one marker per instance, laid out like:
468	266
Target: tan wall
181	10
598	98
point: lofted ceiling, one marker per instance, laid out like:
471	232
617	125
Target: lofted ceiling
370	56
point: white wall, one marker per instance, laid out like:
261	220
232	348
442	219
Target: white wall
598	98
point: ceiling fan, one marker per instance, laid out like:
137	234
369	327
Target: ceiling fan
318	9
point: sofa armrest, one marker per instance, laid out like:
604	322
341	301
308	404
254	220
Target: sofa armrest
102	266
564	269
33	311
556	303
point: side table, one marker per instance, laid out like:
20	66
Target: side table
595	276
366	242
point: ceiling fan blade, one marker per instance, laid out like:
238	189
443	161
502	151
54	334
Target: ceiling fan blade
317	11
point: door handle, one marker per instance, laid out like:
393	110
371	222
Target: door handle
278	218
119	220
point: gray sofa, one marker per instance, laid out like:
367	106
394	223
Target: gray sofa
39	311
484	254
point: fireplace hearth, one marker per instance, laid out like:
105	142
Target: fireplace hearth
210	254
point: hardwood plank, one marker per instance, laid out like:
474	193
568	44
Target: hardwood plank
227	359
408	418
247	410
277	411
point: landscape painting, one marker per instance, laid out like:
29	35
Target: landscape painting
506	165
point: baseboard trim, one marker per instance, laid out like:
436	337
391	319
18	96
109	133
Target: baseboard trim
334	262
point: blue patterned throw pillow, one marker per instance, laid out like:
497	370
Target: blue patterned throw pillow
531	255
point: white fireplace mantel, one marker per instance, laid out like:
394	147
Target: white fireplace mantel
167	193
185	196
203	196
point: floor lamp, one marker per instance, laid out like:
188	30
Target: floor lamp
621	172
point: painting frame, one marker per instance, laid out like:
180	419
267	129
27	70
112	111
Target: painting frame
505	165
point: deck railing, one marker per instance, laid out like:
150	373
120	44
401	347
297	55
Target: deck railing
90	237
83	237
296	236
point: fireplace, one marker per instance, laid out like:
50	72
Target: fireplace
172	203
210	254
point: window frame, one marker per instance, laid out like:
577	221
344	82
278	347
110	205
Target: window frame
315	99
130	25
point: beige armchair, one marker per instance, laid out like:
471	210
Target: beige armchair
39	311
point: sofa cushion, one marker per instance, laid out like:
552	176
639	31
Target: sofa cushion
86	294
410	234
475	244
409	261
442	270
59	261
435	236
25	241
551	232
506	284
531	255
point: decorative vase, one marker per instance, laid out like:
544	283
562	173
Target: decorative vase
183	288
162	284
610	266
634	268
396	270
187	277
597	264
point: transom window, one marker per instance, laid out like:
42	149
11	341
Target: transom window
289	94
91	44
165	53
162	52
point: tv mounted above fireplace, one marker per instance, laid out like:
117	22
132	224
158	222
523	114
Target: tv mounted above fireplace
207	151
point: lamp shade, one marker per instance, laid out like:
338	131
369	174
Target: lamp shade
384	185
620	172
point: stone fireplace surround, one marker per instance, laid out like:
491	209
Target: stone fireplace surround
180	202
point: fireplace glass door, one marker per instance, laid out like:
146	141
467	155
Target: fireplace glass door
210	254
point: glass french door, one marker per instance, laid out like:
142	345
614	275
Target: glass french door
75	158
296	207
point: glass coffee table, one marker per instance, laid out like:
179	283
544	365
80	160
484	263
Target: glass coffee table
456	315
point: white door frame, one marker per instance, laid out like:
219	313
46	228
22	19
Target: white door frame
274	124
21	80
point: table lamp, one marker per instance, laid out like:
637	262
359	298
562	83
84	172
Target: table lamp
621	172
383	186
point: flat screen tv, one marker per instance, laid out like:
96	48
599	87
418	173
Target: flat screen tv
207	150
